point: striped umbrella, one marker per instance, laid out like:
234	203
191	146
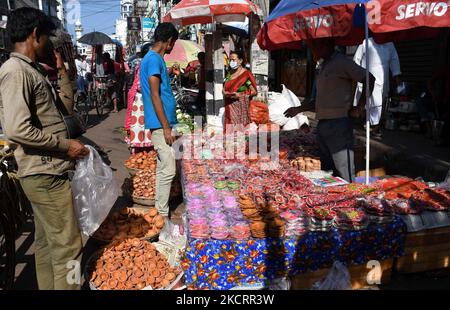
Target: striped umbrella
189	12
183	53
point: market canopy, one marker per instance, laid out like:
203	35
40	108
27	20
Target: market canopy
389	20
399	20
293	21
189	12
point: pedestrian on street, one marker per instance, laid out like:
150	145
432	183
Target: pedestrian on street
239	88
44	154
110	71
382	59
138	138
86	64
81	73
335	75
159	110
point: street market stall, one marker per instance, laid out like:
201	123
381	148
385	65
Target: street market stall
257	217
249	225
349	22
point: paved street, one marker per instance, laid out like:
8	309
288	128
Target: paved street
107	134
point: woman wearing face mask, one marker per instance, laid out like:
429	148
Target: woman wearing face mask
239	87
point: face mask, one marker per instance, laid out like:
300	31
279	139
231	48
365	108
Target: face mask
234	65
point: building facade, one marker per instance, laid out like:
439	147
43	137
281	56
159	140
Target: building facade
126	10
61	12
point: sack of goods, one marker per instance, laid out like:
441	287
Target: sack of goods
279	103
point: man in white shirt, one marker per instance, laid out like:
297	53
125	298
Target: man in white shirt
86	65
81	73
382	59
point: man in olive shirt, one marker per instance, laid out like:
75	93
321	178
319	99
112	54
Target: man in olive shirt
335	77
44	154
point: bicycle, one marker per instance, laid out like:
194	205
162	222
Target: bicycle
14	211
187	101
82	106
7	248
100	94
7	227
84	97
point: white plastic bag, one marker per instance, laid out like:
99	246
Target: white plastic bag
296	122
291	97
94	190
172	253
446	183
279	284
174	235
279	103
337	279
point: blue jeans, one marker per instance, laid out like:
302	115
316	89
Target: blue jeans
81	84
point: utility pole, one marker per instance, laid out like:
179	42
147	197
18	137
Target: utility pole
160	18
133	36
259	59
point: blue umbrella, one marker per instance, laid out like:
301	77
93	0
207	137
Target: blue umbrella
286	7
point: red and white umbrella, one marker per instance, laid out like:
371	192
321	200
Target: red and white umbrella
183	53
397	20
189	12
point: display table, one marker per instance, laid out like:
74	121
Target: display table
252	221
425	251
224	264
359	276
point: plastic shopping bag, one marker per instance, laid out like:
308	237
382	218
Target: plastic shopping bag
290	97
279	103
337	279
174	235
94	190
296	122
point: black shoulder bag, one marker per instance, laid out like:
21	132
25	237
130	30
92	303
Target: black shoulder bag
74	124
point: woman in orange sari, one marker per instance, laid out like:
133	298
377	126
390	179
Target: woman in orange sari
239	87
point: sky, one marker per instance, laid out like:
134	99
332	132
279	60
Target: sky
98	15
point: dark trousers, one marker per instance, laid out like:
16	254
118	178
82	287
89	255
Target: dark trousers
336	142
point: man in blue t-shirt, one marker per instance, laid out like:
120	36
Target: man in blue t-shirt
159	110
